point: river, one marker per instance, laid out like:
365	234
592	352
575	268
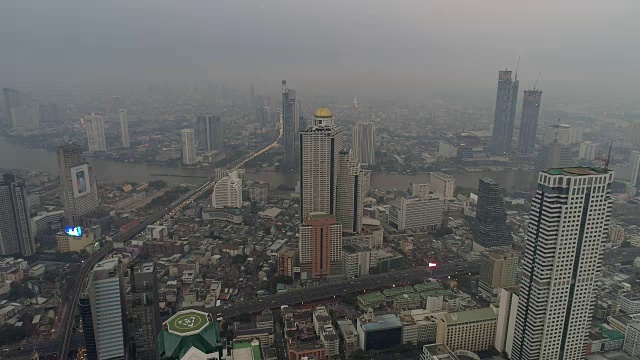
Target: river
17	156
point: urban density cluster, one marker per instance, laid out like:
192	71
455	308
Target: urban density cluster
330	265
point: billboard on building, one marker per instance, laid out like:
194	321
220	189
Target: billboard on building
80	180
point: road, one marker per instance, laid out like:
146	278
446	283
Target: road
43	348
336	288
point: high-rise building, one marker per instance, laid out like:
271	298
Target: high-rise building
16	235
144	313
420	190
79	191
634	161
188	146
86	315
416	213
554	155
350	193
319	147
124	128
227	192
106	297
498	269
14	99
505	113
320	244
94	123
631	135
529	121
471	330
190	334
26	116
291	118
364	143
252	95
209	132
588	151
569	219
443	184
490	229
263	116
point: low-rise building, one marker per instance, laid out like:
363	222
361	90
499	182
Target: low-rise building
349	336
379	332
632	340
67	243
630	303
330	341
437	352
472	330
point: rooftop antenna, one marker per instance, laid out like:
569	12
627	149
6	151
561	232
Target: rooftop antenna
606	165
517	67
555	141
536	83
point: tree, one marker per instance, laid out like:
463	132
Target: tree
51	275
19	291
239	259
157	184
625	244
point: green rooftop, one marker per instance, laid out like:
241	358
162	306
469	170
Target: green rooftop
398	290
320	215
611	334
370	298
189	329
441	292
577	171
407	297
461	317
428	286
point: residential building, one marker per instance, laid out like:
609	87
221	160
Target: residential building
209	133
632	339
16	233
631	135
505	114
420	190
357	260
320	244
26	116
287	261
319	147
471	330
630	303
14	99
124	128
349	336
508	307
379	332
78	183
227	192
498	269
529	121
157	232
364	143
588	151
46	221
490	229
291	126
416	213
259	192
634	161
437	352
569	219
330	340
144	312
554	155
188	146
94	124
443	184
350	193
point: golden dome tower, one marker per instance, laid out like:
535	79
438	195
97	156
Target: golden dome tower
323	117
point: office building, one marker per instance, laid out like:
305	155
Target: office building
86	315
106	297
209	132
94	124
364	143
144	313
498	269
357	260
190	334
350	193
529	121
188	146
588	151
443	184
569	219
416	213
227	192
319	147
471	330
16	234
490	228
554	155
379	332
290	118
68	243
632	134
79	190
124	128
46	221
320	246
505	113
420	190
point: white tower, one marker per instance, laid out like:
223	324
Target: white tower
94	123
569	218
364	143
188	146
227	192
124	128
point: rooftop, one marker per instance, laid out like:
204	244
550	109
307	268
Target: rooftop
577	171
320	215
187	322
247	350
383	322
461	317
323	112
369	298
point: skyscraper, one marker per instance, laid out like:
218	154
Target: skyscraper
631	135
106	297
320	244
16	236
554	155
124	128
78	183
350	193
188	146
569	219
209	132
529	121
227	192
634	161
26	116
364	143
14	99
319	147
94	123
263	116
86	315
490	229
291	118
144	312
505	113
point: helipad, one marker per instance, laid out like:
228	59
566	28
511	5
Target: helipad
187	322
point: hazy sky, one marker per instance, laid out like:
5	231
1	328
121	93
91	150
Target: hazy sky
370	46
